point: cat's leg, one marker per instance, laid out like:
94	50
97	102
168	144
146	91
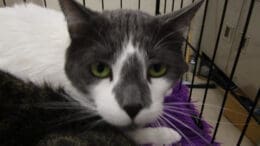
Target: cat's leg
157	136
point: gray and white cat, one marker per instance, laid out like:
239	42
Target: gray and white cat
119	64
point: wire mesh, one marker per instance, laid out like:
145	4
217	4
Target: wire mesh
234	68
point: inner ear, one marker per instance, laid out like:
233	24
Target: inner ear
80	20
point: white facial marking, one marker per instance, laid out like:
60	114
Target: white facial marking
158	88
117	67
107	105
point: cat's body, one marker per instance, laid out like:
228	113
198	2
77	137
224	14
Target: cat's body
33	44
30	117
41	46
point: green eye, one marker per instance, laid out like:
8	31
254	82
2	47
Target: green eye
157	70
100	70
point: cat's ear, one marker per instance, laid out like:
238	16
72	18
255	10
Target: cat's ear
180	19
80	19
173	27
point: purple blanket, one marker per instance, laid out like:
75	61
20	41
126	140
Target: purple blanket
181	115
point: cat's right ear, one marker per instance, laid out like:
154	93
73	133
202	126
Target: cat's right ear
80	20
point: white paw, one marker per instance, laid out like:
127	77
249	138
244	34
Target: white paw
156	136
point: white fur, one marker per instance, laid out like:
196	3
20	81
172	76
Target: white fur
33	43
158	88
106	100
156	136
26	50
128	50
107	106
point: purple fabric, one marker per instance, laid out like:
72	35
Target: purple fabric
180	95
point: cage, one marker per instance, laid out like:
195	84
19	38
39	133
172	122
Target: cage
222	50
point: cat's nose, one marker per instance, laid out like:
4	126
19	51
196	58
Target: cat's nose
133	110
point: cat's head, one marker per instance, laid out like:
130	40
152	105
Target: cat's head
125	61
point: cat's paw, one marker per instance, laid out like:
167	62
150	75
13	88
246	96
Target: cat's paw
157	136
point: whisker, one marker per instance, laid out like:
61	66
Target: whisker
96	123
153	124
179	108
212	121
79	116
185	125
185	109
161	125
157	124
206	105
60	105
65	105
194	103
177	129
82	118
183	103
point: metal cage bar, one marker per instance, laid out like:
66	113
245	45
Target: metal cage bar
249	118
164	10
213	57
187	37
197	52
139	4
45	3
157	7
234	66
181	4
4	2
102	5
173	2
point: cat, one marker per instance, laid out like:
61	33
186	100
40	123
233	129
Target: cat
119	64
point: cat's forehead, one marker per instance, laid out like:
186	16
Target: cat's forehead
132	16
128	26
130	23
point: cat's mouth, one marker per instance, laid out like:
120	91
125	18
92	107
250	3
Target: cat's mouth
130	127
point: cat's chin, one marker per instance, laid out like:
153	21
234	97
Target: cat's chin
132	124
130	127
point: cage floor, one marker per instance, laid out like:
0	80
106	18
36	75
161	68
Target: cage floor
227	134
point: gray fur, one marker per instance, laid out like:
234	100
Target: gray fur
133	90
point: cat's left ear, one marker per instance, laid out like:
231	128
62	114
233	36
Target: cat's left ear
180	19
